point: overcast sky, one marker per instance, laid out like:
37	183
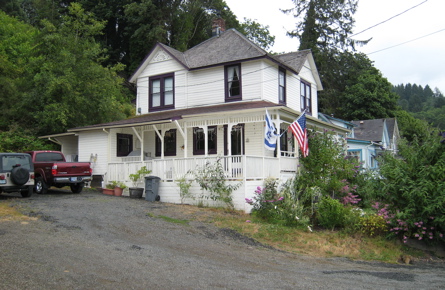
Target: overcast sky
420	61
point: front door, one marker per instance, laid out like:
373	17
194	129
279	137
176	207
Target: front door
237	140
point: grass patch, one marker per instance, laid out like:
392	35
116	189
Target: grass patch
173	220
168	219
319	243
10	213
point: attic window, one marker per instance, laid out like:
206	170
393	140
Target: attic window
233	82
162	94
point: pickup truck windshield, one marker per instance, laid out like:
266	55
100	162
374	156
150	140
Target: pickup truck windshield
49	157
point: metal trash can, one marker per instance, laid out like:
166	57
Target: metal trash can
151	188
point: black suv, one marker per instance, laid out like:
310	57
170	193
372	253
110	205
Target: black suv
16	173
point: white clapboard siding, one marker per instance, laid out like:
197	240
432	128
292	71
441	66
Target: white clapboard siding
94	143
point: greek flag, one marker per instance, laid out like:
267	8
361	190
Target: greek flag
270	137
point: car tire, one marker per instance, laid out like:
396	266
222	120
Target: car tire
19	175
77	187
40	186
27	192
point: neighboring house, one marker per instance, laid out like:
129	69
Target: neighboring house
368	138
205	104
371	137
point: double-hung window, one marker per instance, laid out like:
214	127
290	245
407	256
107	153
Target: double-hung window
199	140
305	96
124	144
162	93
282	86
232	76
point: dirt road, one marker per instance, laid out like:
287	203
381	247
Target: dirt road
94	241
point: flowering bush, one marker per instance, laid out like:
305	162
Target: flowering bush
266	200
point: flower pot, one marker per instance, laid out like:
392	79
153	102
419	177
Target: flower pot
108	191
136	192
118	191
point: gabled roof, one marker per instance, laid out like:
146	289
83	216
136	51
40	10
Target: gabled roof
230	46
330	119
371	130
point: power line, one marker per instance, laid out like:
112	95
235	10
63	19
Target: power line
389	19
407	41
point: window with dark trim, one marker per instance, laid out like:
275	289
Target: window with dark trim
306	95
282	86
169	143
124	144
162	93
232	76
199	140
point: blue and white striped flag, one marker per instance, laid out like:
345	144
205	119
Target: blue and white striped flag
270	137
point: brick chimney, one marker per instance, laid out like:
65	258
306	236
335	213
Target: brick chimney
218	26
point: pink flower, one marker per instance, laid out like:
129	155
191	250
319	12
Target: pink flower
248	221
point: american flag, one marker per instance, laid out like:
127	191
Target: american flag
298	128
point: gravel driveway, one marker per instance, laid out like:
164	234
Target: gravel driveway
94	241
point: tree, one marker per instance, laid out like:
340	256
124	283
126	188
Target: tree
324	25
66	85
258	33
370	97
16	46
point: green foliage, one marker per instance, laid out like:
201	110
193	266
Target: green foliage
19	140
327	166
370	97
184	188
373	225
424	103
323	24
211	178
413	185
265	200
331	213
258	33
138	175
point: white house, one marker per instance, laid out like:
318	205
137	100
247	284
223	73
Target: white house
204	104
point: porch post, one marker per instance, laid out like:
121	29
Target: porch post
206	140
141	140
278	121
229	138
161	136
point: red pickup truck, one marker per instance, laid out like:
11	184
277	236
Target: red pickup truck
51	169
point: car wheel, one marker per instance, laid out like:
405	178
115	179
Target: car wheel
19	175
77	187
27	192
40	186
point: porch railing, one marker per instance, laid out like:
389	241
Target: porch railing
235	167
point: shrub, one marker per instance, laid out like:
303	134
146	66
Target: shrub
373	225
184	188
331	213
211	178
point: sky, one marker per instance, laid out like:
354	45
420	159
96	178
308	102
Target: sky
393	47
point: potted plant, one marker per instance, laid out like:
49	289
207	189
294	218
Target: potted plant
120	186
109	189
136	178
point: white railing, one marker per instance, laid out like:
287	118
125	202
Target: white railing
235	167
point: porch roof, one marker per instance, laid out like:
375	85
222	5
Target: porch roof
172	115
